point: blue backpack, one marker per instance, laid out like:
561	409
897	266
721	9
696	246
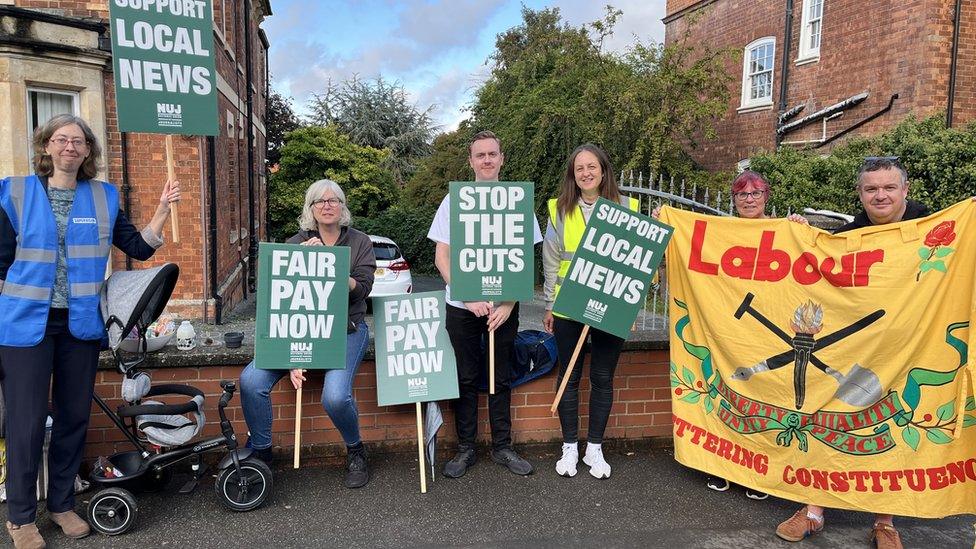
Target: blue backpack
533	355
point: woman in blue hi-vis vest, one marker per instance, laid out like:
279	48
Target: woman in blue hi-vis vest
57	229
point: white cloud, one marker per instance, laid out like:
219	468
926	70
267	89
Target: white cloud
432	47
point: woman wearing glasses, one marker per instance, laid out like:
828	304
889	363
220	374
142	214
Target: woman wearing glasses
324	222
750	192
57	228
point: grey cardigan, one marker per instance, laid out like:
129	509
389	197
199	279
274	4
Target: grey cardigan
362	267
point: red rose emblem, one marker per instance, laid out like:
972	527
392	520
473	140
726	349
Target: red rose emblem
941	235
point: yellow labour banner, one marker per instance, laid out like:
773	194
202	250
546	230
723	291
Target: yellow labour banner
828	369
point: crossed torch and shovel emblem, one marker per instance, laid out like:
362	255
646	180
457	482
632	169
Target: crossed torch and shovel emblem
859	387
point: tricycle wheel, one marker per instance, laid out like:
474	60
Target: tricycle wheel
112	511
246	490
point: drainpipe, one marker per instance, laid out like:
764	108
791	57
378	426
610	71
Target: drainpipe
212	190
252	250
954	63
126	189
267	95
785	69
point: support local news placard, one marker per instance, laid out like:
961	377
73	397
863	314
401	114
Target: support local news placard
162	54
303	307
612	269
414	357
492	249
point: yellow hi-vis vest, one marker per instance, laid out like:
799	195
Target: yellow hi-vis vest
571	230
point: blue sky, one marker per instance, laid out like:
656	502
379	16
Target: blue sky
436	48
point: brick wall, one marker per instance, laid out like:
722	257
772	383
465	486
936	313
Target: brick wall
641	409
896	47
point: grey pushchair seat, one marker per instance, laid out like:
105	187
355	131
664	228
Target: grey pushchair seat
168	424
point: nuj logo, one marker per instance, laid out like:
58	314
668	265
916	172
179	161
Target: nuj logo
596	306
301	347
417	382
491	281
168	108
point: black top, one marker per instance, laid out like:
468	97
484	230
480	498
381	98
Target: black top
362	267
125	236
913	210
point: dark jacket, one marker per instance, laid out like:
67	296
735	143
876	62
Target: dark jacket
362	267
913	210
125	236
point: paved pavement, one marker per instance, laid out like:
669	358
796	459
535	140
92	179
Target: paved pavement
650	501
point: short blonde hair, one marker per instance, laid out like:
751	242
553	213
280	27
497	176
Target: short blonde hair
306	221
44	166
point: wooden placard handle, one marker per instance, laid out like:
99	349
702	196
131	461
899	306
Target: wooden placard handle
174	217
569	368
298	424
491	357
420	450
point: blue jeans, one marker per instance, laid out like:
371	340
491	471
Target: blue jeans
337	398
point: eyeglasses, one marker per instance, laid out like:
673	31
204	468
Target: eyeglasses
62	142
321	203
756	195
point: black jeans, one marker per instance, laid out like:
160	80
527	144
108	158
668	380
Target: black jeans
466	331
605	349
27	375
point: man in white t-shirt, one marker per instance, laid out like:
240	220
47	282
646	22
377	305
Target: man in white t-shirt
467	324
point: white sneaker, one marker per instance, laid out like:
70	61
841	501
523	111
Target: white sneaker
566	466
599	468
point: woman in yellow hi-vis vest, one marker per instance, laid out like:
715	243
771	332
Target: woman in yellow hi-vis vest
588	176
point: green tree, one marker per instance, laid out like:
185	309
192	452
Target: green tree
280	120
552	87
314	153
377	114
448	162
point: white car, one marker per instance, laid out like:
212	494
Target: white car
392	270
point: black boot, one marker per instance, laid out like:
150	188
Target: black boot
357	474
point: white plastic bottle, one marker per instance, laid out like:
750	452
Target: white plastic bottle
186	336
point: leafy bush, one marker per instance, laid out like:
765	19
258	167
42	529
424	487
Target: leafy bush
314	153
941	165
407	226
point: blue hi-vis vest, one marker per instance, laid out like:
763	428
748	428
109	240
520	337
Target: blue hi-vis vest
25	295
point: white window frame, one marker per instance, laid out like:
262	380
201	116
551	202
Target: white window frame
746	102
75	110
806	52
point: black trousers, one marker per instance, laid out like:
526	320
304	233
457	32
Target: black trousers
27	376
605	350
466	331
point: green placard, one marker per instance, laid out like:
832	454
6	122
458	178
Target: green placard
612	269
302	308
414	357
492	231
163	57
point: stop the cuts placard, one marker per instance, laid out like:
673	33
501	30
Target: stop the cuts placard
492	241
303	307
414	357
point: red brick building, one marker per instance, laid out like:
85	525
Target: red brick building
813	72
55	57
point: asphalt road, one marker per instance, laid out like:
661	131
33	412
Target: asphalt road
650	501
